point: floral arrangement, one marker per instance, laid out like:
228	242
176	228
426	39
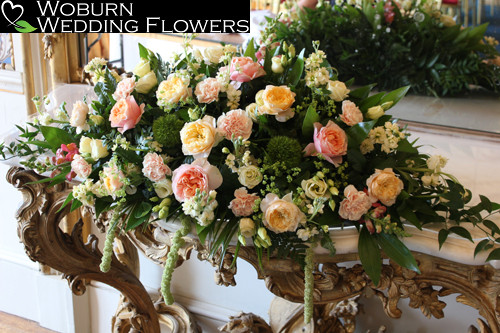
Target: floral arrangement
264	147
414	42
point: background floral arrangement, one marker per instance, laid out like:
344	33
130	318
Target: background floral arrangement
394	44
267	148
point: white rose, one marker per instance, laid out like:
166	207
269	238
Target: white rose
79	116
93	147
375	112
247	227
163	188
436	162
213	54
249	176
276	66
142	68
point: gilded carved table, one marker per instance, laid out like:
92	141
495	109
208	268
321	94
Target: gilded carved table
336	287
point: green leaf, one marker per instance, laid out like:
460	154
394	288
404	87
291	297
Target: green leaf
297	69
442	236
308	125
23	26
67	201
481	246
143	209
397	251
462	232
357	133
494	255
492	226
362	92
405	146
394	96
56	136
250	51
369	255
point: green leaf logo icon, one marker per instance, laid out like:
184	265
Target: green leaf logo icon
23	26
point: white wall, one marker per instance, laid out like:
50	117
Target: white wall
47	299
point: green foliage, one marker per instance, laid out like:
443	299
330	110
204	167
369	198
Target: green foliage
284	149
166	130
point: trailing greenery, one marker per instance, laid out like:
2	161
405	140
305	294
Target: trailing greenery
378	42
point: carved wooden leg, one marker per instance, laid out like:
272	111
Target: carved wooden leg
45	242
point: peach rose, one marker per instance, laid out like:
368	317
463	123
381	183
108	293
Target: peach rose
81	167
244	69
112	179
124	88
235	123
329	141
154	168
355	204
173	90
207	91
198	137
276	101
125	114
385	186
199	175
351	115
281	215
242	204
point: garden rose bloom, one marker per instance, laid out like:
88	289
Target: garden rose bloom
249	176
94	147
172	90
375	112
276	101
244	69
199	175
385	186
338	90
124	88
112	179
235	123
125	114
329	141
351	115
78	117
154	168
212	55
81	167
163	188
247	227
198	137
355	205
315	188
207	91
281	215
242	204
146	83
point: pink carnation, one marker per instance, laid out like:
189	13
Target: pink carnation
244	69
124	88
125	114
81	167
329	141
351	115
355	204
207	91
242	204
154	168
199	175
235	123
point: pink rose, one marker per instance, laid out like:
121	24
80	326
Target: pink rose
244	69
199	175
81	167
154	168
242	204
355	204
351	115
329	141
124	88
235	123
207	91
125	114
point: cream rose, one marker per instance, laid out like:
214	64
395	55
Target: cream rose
173	90
78	117
375	112
338	90
212	55
276	101
247	227
142	68
315	188
146	83
93	147
385	186
281	215
355	204
199	137
163	188
249	176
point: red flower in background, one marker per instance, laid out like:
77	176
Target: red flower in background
388	12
